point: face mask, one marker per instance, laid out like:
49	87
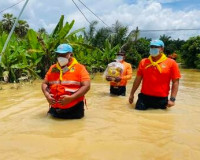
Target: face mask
119	58
154	52
62	61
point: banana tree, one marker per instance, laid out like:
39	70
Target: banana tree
98	59
15	62
109	52
44	45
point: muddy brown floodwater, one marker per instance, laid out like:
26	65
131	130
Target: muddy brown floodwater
111	129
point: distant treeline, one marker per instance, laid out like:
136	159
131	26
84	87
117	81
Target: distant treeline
30	53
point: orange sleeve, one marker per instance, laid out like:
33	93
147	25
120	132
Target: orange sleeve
48	73
128	71
175	74
84	74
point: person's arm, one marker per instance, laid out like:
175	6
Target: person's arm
108	78
128	75
135	86
85	87
45	90
174	90
175	76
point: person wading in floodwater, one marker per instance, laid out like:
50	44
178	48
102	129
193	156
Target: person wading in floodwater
156	73
65	85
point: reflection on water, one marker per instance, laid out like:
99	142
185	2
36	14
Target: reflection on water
112	129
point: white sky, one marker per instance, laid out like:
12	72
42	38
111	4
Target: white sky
146	14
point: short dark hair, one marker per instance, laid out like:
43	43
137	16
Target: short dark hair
121	52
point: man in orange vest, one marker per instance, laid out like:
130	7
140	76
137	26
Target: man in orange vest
65	85
118	85
156	73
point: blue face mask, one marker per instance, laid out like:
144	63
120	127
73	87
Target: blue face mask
154	52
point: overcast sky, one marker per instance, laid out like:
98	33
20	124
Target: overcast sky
146	14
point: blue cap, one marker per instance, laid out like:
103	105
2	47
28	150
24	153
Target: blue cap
64	48
158	43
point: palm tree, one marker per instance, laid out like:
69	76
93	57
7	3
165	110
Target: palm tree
119	34
42	30
21	28
1	28
8	21
131	39
100	37
89	35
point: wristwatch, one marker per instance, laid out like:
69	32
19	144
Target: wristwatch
172	99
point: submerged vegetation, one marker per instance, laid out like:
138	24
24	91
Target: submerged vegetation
30	53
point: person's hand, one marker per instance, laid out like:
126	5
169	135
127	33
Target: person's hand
65	99
108	78
131	98
50	98
117	79
170	103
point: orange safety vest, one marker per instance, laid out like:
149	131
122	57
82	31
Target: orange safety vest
69	84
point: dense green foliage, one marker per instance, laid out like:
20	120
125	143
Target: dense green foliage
191	52
30	53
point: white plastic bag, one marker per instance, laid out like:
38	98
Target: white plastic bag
114	69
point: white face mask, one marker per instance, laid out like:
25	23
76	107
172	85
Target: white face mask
119	58
62	61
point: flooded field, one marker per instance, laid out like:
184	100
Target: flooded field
111	129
